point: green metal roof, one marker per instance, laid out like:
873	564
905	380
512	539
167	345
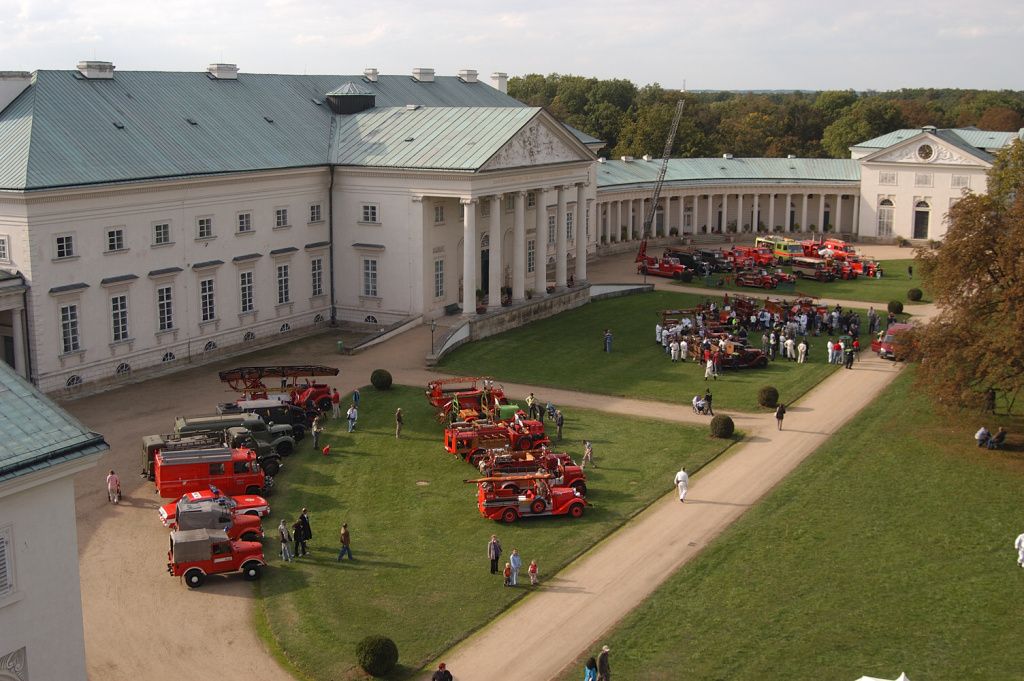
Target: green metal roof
442	138
65	130
34	432
697	171
973	138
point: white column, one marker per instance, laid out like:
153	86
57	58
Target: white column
470	248
803	216
561	243
771	213
839	213
711	203
680	212
519	248
540	247
495	273
821	213
18	333
629	219
856	213
581	234
740	216
785	220
757	213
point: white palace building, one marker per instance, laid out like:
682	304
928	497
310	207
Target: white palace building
152	217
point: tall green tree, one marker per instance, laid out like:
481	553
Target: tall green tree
867	118
977	278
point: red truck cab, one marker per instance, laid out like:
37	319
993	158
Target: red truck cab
234	471
195	554
888	344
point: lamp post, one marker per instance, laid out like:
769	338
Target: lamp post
433	326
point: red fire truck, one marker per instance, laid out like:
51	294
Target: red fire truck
468	441
235	471
195	554
509	498
292	383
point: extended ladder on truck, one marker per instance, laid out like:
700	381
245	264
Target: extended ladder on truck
250	380
641	255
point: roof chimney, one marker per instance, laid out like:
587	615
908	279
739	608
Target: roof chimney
223	71
350	99
12	84
790	155
500	81
370	74
646	157
423	75
928	128
727	156
96	70
468	75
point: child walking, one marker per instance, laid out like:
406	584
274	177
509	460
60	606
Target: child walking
508	574
532	570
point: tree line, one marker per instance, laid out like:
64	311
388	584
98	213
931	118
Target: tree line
635	120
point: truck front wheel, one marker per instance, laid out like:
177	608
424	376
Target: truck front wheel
252	571
576	510
271	467
194	578
324	404
509	515
285	448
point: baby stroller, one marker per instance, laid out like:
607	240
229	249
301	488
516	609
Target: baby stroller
700	406
550	409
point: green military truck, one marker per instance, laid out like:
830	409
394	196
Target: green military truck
279	436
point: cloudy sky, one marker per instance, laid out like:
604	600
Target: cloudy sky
721	44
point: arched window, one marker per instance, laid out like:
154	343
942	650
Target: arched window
285	328
249	336
210	345
168	357
123	369
885	213
922	216
319	319
74	380
370	319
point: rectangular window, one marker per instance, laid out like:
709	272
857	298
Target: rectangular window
66	246
280	218
887	177
485	209
315	213
204	228
207	300
568	226
370	277
283	294
439	278
5	251
115	240
510	203
70	341
245	292
885	215
960	181
588	223
531	200
922	179
164	308
370	213
438	215
531	255
317	272
161	234
244	222
551	229
119	318
7	584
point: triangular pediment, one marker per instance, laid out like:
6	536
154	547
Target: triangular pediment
542	141
927	149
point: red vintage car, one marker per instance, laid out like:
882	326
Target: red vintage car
243	504
504	462
744	358
666	267
467	398
195	554
756	279
746	257
208	514
889	345
509	498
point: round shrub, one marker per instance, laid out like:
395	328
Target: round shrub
914	294
895	306
381	379
377	655
768	396
722	426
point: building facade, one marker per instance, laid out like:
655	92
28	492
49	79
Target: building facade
42	448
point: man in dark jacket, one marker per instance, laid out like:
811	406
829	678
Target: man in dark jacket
604	670
494	553
442	673
306	532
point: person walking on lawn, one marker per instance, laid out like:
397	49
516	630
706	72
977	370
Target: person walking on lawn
353	416
494	553
355	397
346	539
559	422
780	413
286	538
336	404
317	429
588	454
604	669
399	421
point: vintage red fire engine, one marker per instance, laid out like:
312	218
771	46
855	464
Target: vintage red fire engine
469	441
234	471
504	463
195	554
509	498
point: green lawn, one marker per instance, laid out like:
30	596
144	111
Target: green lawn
565	351
421	574
889	550
892	286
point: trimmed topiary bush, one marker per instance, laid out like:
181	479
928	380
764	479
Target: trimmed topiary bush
381	379
914	294
895	306
722	426
768	396
377	655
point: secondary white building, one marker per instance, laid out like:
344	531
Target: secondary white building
150	217
41	449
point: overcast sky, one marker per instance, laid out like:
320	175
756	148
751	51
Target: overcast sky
720	44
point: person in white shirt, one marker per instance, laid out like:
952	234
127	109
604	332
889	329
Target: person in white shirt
674	347
801	352
790	353
1019	545
682	482
657	333
684	348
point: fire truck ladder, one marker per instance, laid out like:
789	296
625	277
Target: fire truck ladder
653	210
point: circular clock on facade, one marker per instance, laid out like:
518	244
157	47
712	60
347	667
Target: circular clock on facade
925	152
